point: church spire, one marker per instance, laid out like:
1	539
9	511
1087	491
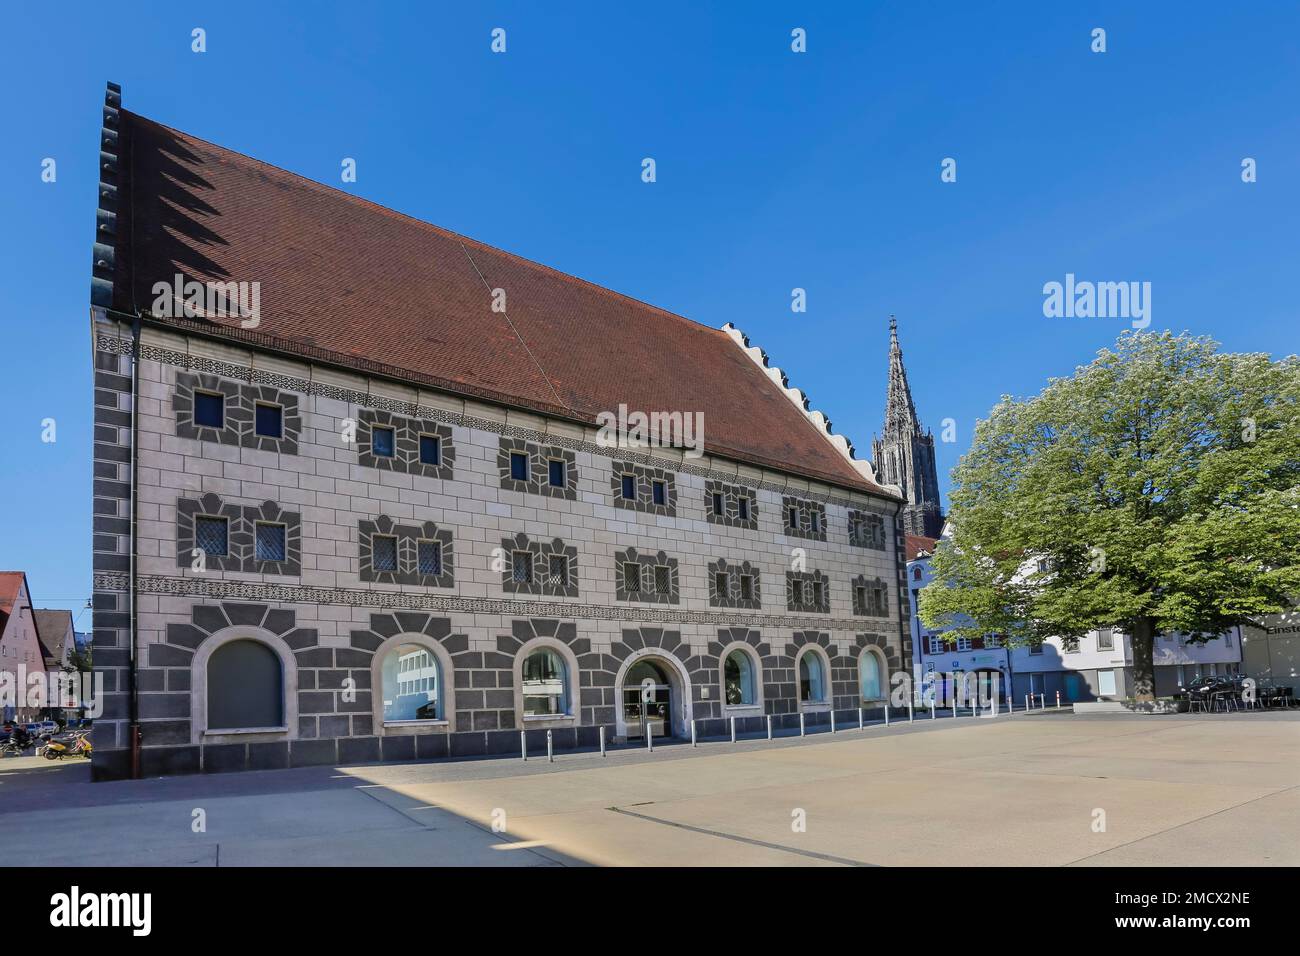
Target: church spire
904	453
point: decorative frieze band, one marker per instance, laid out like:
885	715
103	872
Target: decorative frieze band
400	600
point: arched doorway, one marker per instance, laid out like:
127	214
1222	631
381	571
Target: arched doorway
652	698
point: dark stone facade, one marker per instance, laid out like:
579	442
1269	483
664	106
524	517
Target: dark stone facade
539	459
648	576
408	552
802	592
867	530
241	525
406	444
811	517
733	597
731	498
644	478
543	580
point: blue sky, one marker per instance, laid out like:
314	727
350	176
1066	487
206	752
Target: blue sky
776	170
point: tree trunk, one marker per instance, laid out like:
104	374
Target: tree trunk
1142	635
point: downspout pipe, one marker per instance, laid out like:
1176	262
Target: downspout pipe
133	726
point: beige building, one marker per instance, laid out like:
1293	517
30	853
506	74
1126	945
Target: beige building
21	654
401	506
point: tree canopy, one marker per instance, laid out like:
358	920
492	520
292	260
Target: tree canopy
1156	489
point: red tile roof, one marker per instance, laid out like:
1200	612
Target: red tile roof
916	543
344	280
11	582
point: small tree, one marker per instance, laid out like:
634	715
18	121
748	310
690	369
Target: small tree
1155	490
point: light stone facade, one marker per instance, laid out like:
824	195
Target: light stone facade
330	620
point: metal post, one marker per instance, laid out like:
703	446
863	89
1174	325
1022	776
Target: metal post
769	726
1028	706
649	738
733	730
832	720
932	713
694	743
523	744
550	752
886	715
801	724
860	722
1058	700
909	710
1042	701
954	704
602	740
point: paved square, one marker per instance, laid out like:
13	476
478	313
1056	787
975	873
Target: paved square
1019	791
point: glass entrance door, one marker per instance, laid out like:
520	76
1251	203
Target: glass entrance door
653	716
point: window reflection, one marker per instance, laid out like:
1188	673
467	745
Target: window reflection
411	684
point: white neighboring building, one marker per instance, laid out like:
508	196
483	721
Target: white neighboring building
934	661
1098	666
1271	654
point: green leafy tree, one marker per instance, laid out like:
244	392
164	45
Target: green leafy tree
1156	489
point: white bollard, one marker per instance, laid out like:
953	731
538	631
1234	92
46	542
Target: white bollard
800	724
550	751
602	740
932	713
523	744
733	730
649	738
909	711
1028	707
860	722
769	726
693	742
954	705
1058	700
886	715
832	720
1042	701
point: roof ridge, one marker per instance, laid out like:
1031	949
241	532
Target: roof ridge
447	233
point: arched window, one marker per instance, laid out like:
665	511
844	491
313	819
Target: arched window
412	684
916	573
812	679
545	684
245	687
738	679
869	676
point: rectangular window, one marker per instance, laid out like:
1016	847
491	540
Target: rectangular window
210	409
382	442
268	423
815	522
963	643
1106	640
722	585
742	506
518	466
557	473
270	542
659	492
631	576
662	578
792	519
629	487
796	592
1106	683
717	503
936	644
861	593
212	535
817	593
746	587
383	552
993	641
559	567
1035	648
430	557
522	567
430	450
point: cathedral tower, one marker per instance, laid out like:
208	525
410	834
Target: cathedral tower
904	454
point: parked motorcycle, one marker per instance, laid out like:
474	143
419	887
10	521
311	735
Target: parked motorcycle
78	744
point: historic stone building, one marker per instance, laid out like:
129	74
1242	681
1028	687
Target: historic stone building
904	454
372	515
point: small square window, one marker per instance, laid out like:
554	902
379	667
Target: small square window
742	506
430	450
430	557
662	578
659	492
557	473
522	568
268	423
717	503
212	535
270	542
746	587
559	568
383	552
629	487
792	519
631	576
382	442
722	584
210	409
518	466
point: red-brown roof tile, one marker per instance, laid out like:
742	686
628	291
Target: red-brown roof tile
345	280
916	543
